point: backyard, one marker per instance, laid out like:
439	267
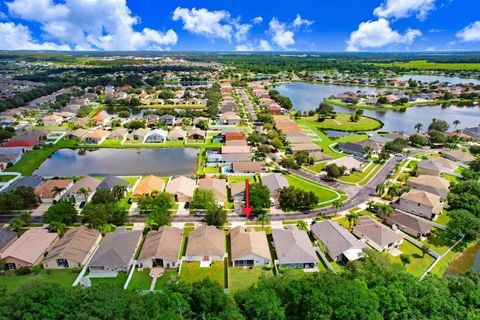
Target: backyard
419	263
170	276
141	280
243	278
11	281
192	272
117	281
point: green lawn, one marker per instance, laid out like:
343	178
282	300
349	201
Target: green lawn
6	178
418	264
317	167
427	65
362	177
141	280
342	122
323	193
243	278
118	281
169	277
234	179
63	277
191	272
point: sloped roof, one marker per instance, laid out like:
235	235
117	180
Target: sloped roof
206	241
422	197
336	238
163	243
28	181
176	132
245	242
6	236
111	181
459	155
31	245
372	229
181	185
217	186
117	248
293	246
87	182
436	182
402	219
274	181
148	185
46	189
75	244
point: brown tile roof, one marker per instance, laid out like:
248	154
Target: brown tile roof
206	241
148	185
46	189
245	242
31	245
164	243
436	182
422	197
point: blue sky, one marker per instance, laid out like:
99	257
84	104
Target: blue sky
262	25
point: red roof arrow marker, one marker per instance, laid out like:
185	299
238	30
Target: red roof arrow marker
247	209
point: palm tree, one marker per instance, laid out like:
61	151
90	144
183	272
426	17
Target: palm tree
456	123
352	219
380	189
263	217
418	127
405	258
302	225
425	249
58	227
119	191
56	191
337	204
385	211
368	151
85	192
370	205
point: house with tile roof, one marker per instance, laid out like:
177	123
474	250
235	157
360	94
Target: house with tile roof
147	186
409	224
249	248
294	248
206	243
161	248
432	184
420	203
375	234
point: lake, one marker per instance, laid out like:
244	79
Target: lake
128	161
432	78
307	96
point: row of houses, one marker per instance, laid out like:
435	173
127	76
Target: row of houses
264	99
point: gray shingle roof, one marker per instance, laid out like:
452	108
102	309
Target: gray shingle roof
116	249
6	236
111	181
29	181
293	246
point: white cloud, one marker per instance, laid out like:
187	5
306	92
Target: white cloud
244	47
2	15
92	24
281	34
398	9
298	22
241	31
257	20
213	24
262	45
377	34
265	45
18	37
470	33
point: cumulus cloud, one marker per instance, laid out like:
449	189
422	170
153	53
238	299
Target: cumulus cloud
262	45
257	20
265	45
91	25
298	22
18	37
2	15
281	34
398	9
377	34
470	33
213	24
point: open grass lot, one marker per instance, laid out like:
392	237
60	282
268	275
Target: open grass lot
243	278
6	178
362	177
443	218
342	122
191	272
426	65
63	277
418	264
323	193
251	179
118	281
141	280
169	277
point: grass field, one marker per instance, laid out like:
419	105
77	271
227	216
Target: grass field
63	277
243	278
234	179
323	193
418	263
118	281
6	178
141	280
362	177
426	65
342	122
191	272
170	276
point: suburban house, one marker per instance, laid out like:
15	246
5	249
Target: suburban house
76	134
29	249
206	243
101	119
147	186
177	133
95	136
235	149
230	118
83	190
168	119
53	190
350	163
294	248
74	249
375	234
196	134
248	167
7	237
138	135
436	166
421	203
28	181
118	134
156	136
298	137
111	181
308	147
432	184
340	244
116	252
161	248
409	224
10	156
217	186
152	120
181	188
275	182
458	156
360	149
237	191
229	136
249	248
52	120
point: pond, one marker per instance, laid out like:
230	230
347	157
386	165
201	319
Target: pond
129	161
432	78
306	96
